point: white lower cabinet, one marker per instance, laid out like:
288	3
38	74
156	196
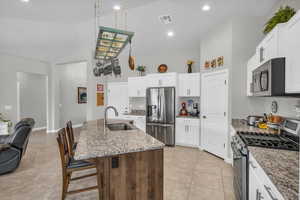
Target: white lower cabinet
138	121
187	132
260	185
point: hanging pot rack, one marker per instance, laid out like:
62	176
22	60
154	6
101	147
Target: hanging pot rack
111	42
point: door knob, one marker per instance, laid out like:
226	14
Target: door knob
204	117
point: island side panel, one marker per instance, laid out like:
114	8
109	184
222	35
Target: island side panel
139	176
103	174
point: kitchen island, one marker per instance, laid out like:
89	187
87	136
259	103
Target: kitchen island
129	162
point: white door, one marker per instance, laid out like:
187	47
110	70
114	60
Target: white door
214	105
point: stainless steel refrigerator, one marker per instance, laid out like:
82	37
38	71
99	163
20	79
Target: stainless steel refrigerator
160	118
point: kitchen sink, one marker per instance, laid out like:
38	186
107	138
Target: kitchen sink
119	127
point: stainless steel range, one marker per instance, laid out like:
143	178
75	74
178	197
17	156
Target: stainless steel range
287	140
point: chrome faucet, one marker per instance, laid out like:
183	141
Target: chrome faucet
105	113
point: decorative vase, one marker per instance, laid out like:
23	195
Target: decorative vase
190	68
190	64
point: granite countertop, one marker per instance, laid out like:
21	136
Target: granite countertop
242	126
95	141
282	167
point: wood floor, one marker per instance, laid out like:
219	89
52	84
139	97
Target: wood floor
190	174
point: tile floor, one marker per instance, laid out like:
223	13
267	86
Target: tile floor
190	174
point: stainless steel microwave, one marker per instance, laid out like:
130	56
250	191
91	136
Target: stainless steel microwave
269	78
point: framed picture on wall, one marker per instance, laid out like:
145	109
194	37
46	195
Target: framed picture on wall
82	95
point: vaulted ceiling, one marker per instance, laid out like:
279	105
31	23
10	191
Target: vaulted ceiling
52	30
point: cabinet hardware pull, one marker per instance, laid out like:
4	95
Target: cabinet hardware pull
269	190
258	195
204	117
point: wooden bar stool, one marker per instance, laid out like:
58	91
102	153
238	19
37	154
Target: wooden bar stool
69	165
70	137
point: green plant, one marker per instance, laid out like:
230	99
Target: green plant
281	16
141	68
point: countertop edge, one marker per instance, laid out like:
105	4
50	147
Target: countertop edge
122	153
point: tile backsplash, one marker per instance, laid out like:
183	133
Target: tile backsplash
286	106
137	103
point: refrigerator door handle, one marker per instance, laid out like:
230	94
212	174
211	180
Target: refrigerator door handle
159	107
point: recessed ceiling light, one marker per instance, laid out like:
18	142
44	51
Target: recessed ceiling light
25	1
206	7
117	7
170	33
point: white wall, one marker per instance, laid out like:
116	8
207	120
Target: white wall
71	76
33	97
9	66
217	42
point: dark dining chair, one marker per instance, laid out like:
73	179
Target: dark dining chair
70	137
69	165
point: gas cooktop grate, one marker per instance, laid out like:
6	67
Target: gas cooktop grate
268	141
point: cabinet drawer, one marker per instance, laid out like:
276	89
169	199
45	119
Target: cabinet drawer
269	189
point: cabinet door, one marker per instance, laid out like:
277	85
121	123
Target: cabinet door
193	132
132	87
117	96
140	122
194	85
189	85
271	46
252	64
142	86
167	81
152	81
254	185
181	129
291	52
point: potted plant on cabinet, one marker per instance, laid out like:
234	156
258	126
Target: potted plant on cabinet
281	16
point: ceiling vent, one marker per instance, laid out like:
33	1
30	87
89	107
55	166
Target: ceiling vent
165	19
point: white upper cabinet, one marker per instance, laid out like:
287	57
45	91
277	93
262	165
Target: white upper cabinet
271	46
162	80
137	86
251	65
117	96
291	52
189	85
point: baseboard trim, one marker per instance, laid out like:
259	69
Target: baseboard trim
39	128
55	131
228	160
52	131
186	145
77	125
